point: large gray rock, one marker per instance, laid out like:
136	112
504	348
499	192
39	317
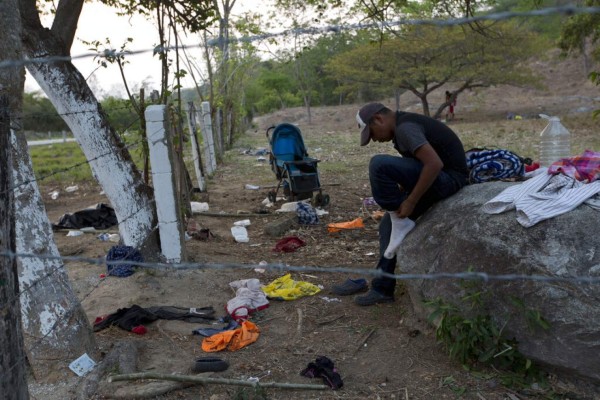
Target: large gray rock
456	235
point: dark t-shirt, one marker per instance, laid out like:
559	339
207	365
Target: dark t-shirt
415	130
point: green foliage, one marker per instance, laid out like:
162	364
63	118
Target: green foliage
473	338
577	31
580	27
549	26
39	114
595	78
121	114
192	15
423	58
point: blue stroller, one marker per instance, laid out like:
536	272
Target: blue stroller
294	169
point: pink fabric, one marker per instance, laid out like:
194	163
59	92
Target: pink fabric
585	167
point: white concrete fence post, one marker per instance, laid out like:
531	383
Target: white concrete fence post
170	225
196	153
209	143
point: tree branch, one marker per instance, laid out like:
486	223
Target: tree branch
223	381
65	21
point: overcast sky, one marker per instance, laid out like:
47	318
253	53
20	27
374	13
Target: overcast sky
98	22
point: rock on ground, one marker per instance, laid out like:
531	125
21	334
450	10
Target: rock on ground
455	236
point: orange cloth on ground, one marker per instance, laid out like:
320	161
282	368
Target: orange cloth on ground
232	340
354	224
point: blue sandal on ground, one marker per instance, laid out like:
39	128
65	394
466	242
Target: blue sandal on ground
372	298
351	286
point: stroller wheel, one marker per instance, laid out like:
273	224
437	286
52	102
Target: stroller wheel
272	196
321	200
318	199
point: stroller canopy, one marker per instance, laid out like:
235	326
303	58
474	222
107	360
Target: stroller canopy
287	143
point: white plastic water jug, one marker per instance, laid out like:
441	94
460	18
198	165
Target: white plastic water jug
555	141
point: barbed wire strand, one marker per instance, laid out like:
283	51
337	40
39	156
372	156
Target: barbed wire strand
483	276
49	114
73	166
66	316
499	16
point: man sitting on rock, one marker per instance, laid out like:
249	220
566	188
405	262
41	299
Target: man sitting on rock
432	167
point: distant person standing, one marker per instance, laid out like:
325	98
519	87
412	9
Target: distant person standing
451	101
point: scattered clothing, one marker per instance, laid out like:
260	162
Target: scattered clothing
492	165
213	331
285	288
306	214
544	196
289	244
324	368
132	319
248	298
100	217
192	314
247	333
126	318
116	257
532	167
585	167
339	226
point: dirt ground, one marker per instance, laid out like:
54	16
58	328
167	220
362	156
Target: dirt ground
381	352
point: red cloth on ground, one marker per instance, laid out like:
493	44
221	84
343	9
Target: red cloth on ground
289	244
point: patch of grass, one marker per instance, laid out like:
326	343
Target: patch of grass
64	162
474	339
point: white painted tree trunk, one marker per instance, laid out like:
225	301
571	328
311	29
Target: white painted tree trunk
110	163
55	326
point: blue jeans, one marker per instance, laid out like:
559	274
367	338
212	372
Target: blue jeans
392	178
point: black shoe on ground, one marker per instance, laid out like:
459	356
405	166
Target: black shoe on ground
351	286
372	298
209	364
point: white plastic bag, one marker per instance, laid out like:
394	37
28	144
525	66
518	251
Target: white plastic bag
240	234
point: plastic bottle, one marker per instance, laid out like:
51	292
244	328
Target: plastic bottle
555	142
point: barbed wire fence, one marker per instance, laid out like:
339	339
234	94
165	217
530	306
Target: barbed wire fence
274	267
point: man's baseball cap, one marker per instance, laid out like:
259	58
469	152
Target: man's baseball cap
363	116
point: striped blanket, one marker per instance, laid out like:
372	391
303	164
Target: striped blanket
493	165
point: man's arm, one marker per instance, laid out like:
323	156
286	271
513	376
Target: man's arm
432	165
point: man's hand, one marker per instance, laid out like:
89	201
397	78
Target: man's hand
406	208
432	165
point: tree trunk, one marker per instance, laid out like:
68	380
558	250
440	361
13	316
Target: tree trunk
397	93
424	104
56	327
308	109
110	162
13	382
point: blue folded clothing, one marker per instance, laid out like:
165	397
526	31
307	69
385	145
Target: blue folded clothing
213	331
493	165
